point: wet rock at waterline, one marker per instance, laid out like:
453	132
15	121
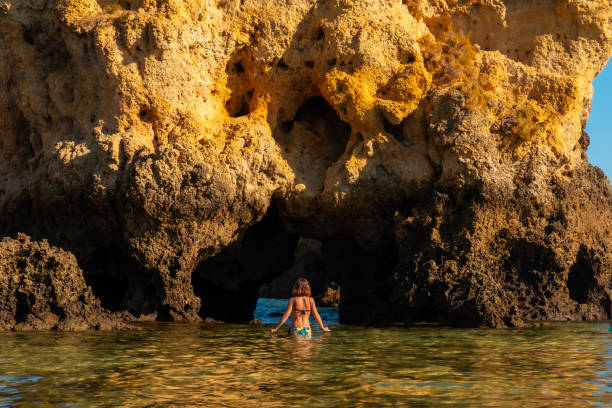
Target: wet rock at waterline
42	288
180	151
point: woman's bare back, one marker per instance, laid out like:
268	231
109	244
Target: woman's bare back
300	313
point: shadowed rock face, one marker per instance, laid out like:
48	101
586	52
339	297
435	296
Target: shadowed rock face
435	149
42	288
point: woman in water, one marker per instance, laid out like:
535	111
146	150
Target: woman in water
299	307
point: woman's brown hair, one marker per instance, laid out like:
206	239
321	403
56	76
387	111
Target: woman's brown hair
301	288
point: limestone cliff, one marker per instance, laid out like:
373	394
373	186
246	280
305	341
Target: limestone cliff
435	147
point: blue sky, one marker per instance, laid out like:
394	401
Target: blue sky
599	126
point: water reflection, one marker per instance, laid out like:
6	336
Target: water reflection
192	365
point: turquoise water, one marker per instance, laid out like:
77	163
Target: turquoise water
166	365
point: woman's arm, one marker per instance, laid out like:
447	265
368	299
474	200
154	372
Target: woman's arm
315	312
285	316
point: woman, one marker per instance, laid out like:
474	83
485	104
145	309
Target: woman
299	307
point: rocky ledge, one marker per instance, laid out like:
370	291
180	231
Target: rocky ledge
434	150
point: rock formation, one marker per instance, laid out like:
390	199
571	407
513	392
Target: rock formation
42	287
436	148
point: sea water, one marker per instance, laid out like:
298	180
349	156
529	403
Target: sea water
166	365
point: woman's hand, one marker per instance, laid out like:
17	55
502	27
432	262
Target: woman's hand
273	330
326	329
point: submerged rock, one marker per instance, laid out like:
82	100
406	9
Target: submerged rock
42	288
436	149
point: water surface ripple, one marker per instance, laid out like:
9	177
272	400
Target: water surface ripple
165	365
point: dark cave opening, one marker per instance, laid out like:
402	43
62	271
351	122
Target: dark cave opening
364	278
228	283
109	289
232	305
307	263
107	284
581	276
120	284
231	283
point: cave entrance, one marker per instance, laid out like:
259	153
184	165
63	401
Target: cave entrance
364	277
228	283
350	285
254	276
307	263
120	284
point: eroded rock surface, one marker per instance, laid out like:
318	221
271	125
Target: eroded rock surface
435	148
42	288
